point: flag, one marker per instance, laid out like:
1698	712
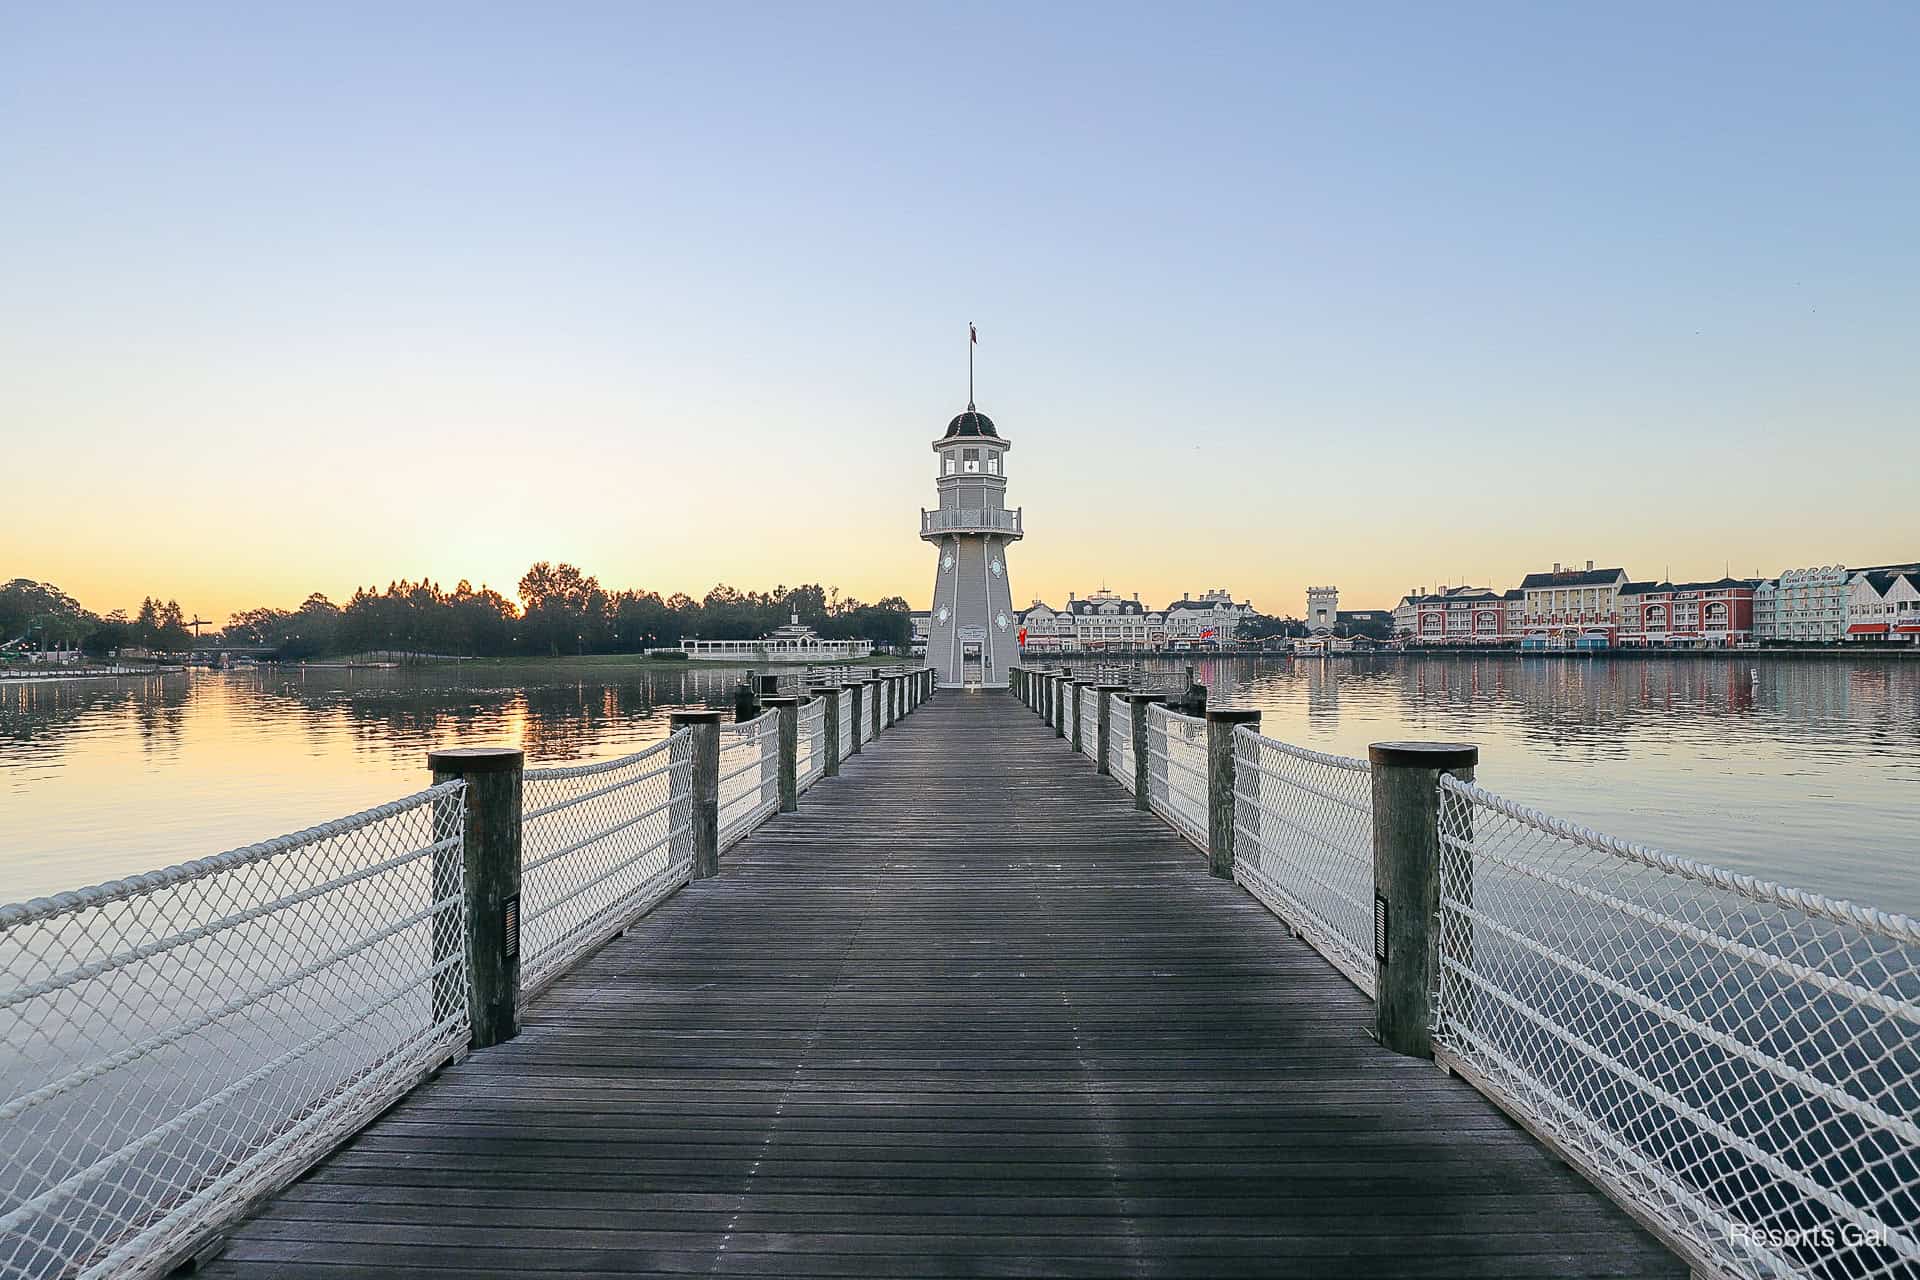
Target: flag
1023	637
973	336
1207	634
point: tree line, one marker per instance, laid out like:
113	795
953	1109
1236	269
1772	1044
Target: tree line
560	610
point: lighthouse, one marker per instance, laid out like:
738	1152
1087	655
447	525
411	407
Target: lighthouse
972	638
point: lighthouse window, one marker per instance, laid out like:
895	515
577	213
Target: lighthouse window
950	467
993	466
972	457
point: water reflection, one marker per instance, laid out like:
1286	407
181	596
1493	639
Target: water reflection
100	779
1798	769
1802	770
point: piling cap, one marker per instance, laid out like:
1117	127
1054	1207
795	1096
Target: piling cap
697	717
476	759
1233	715
1423	755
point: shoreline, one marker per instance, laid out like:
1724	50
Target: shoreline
1887	653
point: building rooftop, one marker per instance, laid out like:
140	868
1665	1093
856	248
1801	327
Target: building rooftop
1572	578
971	423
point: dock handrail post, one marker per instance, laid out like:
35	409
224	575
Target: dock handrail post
789	724
1406	882
854	725
1220	726
705	776
829	695
873	711
489	855
1142	723
1104	740
1073	692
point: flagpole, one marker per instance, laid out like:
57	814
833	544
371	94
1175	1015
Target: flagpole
969	366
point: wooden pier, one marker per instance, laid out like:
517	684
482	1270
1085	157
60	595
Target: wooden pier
966	1013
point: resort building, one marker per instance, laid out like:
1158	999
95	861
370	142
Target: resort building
1693	615
1213	619
1883	606
1459	615
794	642
1102	620
1571	608
1803	605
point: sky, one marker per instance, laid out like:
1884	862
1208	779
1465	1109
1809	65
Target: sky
297	298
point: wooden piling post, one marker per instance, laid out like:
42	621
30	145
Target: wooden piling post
789	725
1141	720
490	863
1104	722
705	778
830	696
856	723
1406	882
746	700
873	709
1220	726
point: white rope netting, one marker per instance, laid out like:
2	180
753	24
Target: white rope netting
1177	771
1303	845
175	1044
1740	1059
601	844
1089	722
749	775
1120	748
810	758
852	731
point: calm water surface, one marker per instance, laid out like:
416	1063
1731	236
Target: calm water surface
1806	771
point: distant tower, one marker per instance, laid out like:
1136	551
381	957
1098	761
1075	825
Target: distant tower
971	635
1323	608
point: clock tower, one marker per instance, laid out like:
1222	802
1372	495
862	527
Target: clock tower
971	633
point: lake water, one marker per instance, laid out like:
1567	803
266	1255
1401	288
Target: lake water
1803	771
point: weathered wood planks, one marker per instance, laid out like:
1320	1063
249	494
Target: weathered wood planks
966	1013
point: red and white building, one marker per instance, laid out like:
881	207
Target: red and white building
1459	615
1700	615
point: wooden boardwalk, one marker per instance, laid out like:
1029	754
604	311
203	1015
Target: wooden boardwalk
967	1013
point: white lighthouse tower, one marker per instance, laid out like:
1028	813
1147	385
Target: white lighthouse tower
971	633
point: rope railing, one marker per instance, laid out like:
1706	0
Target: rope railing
1739	1060
174	1046
1177	771
1736	1061
749	775
1120	748
1089	722
810	763
1304	845
601	844
178	1043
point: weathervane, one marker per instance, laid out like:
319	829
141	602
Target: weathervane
973	340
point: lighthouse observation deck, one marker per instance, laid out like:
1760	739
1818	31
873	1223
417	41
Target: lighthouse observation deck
941	521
